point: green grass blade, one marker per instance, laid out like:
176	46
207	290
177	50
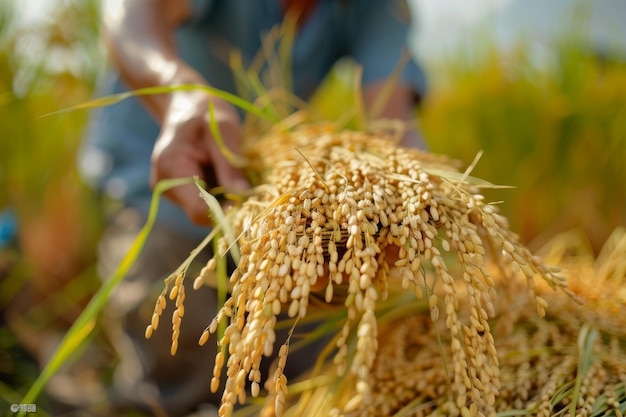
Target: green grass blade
85	323
417	404
359	101
234	159
586	340
458	177
224	95
512	413
222	287
220	219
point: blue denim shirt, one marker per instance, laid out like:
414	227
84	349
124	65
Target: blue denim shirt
372	32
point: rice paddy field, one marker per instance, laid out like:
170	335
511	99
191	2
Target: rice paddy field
446	295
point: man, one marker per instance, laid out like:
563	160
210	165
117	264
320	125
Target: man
135	144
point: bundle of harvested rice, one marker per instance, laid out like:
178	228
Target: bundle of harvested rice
346	218
571	362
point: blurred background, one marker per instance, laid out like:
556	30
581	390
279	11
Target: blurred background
539	87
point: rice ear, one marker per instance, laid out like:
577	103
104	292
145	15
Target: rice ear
328	222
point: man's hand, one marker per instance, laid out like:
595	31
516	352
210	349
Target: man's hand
139	35
186	147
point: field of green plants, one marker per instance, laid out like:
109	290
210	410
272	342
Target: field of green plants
556	133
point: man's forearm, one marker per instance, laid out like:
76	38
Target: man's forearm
139	35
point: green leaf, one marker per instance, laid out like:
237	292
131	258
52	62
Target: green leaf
234	159
224	95
586	341
220	219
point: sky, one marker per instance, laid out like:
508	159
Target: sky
443	25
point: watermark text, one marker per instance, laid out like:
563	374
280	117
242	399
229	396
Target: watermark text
27	408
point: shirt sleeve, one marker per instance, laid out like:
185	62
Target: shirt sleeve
378	39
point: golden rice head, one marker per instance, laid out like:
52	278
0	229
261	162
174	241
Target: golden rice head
572	359
540	366
335	214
